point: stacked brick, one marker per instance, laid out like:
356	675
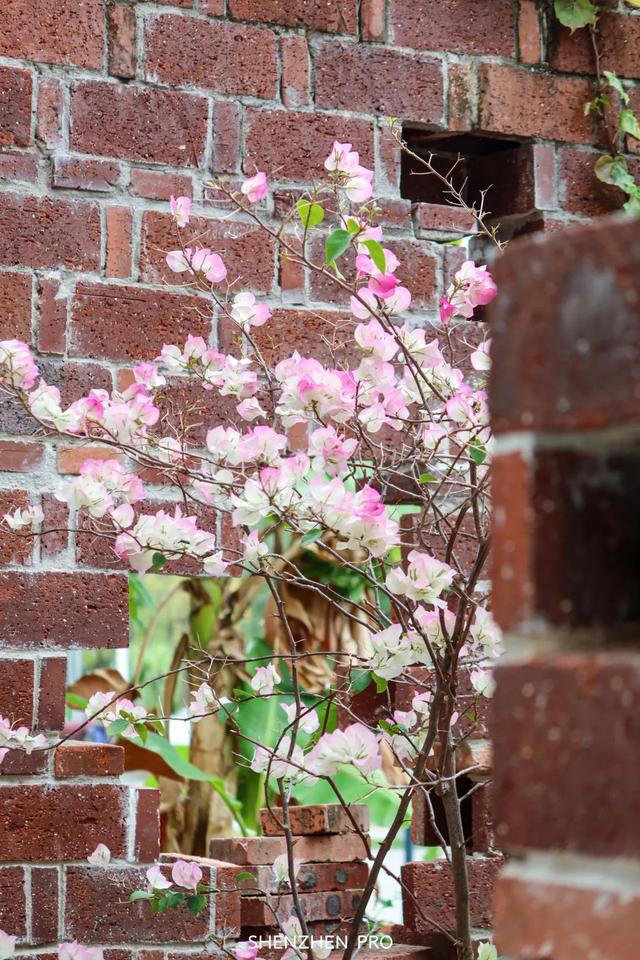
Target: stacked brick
565	720
332	847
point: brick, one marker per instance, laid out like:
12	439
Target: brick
257	850
70	459
332	16
126	323
15	306
67	32
439	216
156	185
13	907
147	835
314	333
52	326
529	35
44	905
580	709
49	112
18	165
516	101
257	912
39	232
544	177
97	909
17	763
558	921
431	884
15	107
51	699
580	190
447	25
223	57
316	818
214	8
378	80
17	457
76	759
618	43
121	33
247	252
56	519
59	610
61	822
77	173
226	137
119	225
16	691
462	106
559	367
294	81
135	123
311	877
291	141
14	546
372	19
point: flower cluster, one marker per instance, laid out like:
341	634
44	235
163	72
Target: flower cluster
18	738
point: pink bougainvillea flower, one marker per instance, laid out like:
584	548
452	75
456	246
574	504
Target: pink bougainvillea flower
246	950
101	856
447	310
7	945
264	680
247	312
179	260
76	951
255	188
17	366
181	210
187	874
156	879
355	745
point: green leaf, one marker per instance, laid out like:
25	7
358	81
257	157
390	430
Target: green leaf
380	682
197	903
628	123
140	895
477	453
360	679
74	701
614	170
311	214
576	13
352	225
311	536
616	84
632	205
336	244
117	727
245	875
377	254
427	478
158	561
142	732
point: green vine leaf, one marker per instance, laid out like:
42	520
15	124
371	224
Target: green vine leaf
576	13
616	84
628	123
614	170
337	243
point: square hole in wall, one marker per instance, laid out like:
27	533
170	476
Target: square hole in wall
500	168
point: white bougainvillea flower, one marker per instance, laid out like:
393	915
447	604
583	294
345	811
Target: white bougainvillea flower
101	856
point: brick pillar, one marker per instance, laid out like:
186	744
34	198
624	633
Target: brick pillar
565	398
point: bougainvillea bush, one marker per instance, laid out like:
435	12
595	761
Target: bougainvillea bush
375	458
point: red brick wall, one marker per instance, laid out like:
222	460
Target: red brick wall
106	108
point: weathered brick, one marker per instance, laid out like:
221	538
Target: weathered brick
14	546
247	252
119	225
579	709
18	166
556	920
15	107
224	57
449	25
18	457
257	912
314	333
291	142
372	19
517	101
44	904
316	818
13	907
159	126
16	691
529	34
78	173
157	185
294	82
331	16
15	306
49	112
618	45
51	697
213	7
310	877
131	323
257	850
378	80
97	909
147	835
226	137
17	763
56	519
76	759
70	459
431	887
60	610
559	367
44	822
121	27
52	326
462	105
39	232
67	31
580	190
